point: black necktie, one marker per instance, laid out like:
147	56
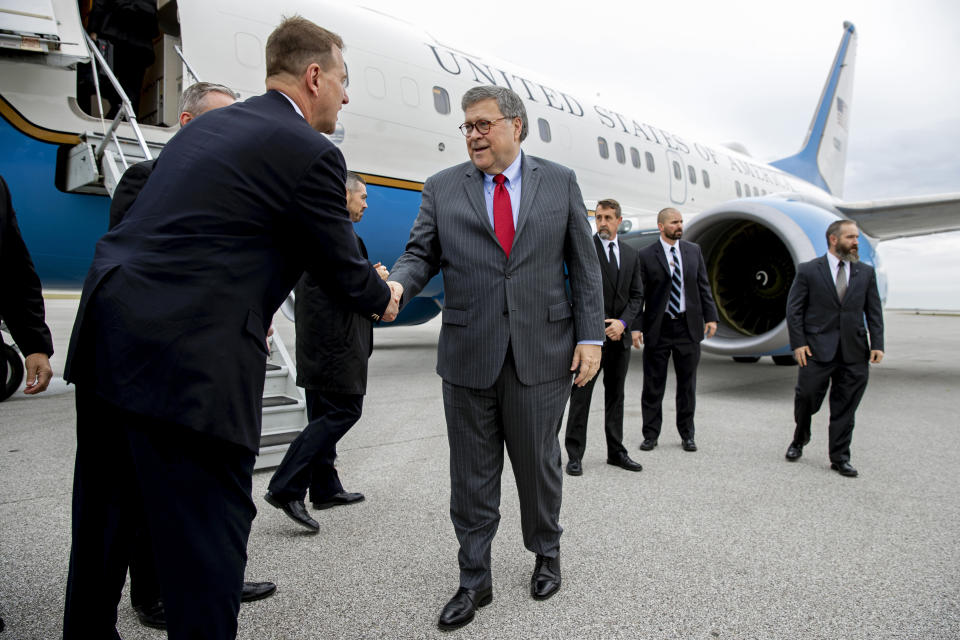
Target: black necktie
613	259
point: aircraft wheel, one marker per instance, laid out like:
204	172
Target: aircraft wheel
12	371
747	359
784	361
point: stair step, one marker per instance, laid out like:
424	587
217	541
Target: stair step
278	401
278	438
273	367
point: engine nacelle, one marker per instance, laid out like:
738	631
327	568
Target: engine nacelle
751	249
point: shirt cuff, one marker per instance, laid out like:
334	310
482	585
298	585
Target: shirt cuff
598	343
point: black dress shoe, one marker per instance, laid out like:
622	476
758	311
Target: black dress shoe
574	468
546	577
794	452
257	591
338	499
296	510
624	462
689	445
462	607
648	444
152	615
844	469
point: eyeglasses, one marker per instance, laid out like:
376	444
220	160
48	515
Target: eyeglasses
483	126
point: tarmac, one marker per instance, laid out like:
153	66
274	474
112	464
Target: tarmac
731	541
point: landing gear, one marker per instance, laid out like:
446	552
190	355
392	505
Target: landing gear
784	361
12	367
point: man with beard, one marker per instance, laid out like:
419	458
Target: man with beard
830	298
678	311
622	301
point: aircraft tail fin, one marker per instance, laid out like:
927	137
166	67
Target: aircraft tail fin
823	156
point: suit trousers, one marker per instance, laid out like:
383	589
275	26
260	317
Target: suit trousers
676	341
308	463
847	382
479	423
190	491
614	364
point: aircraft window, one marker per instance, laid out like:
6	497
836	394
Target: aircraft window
764	192
635	157
621	154
376	85
755	192
739	190
677	172
650	166
410	92
604	149
441	100
706	179
692	173
544	127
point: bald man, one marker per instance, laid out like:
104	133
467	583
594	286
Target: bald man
678	311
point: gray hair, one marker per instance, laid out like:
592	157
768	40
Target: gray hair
509	103
354	181
194	96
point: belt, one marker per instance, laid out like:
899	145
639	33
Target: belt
681	317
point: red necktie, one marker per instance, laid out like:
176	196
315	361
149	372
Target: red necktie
502	214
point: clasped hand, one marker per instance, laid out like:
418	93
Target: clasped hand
393	307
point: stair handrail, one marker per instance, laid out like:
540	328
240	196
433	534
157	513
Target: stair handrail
126	108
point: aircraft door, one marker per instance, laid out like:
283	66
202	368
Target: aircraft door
678	178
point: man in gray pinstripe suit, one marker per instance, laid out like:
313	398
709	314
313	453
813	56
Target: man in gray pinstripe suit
501	228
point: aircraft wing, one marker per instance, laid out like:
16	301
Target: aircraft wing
905	217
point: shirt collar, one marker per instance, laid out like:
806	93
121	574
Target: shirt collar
606	243
667	246
834	261
292	103
511	173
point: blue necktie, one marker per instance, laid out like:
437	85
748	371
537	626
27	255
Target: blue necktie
674	307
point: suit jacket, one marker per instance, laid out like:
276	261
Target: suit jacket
817	318
129	187
491	301
21	297
333	341
183	290
622	290
655	272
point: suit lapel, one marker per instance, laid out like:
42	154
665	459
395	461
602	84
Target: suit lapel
828	281
473	187
662	259
529	183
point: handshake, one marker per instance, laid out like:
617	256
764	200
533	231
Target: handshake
396	292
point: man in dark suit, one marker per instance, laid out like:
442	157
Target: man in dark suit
501	227
196	100
21	299
622	302
678	311
833	304
145	596
333	346
169	347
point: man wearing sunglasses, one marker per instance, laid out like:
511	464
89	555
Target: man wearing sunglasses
503	227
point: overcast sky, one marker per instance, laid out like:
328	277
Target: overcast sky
752	72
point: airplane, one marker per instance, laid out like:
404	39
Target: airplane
754	221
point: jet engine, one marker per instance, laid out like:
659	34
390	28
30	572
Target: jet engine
751	249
